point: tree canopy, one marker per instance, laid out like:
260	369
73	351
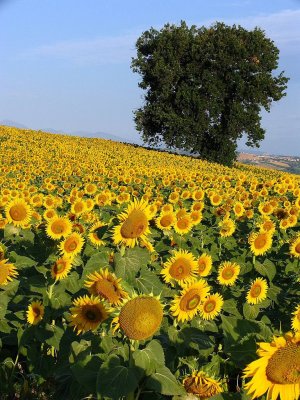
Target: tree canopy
205	87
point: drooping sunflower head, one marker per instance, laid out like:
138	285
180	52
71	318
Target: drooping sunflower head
18	212
182	268
185	306
258	291
72	245
107	286
276	372
211	306
202	385
140	317
61	268
7	272
88	313
228	273
35	312
134	224
58	227
260	242
204	264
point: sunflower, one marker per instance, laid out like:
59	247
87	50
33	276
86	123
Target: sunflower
87	313
165	220
182	267
106	285
267	225
95	235
296	319
7	272
18	212
202	385
35	312
295	247
260	242
185	306
215	199
257	291
134	224
211	306
204	264
238	209
72	245
61	268
228	273
140	317
58	227
196	217
227	227
183	225
276	372
49	214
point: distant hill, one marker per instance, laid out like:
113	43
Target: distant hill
86	134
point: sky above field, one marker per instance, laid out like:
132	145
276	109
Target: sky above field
65	64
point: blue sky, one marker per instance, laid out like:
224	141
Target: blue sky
65	64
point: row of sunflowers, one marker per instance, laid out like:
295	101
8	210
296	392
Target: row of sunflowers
128	273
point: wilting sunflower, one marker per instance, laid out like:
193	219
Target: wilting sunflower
257	291
227	227
182	268
18	212
72	245
228	273
204	264
61	268
106	285
296	319
96	233
185	306
295	247
211	306
183	225
87	313
260	242
276	372
58	227
7	272
140	317
202	385
35	312
166	220
134	224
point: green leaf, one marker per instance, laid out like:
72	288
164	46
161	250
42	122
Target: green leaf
148	282
230	306
22	261
115	380
164	382
133	260
250	311
267	269
150	357
85	371
97	261
3	304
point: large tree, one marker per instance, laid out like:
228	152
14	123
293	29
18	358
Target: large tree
205	87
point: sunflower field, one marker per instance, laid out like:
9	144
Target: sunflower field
128	273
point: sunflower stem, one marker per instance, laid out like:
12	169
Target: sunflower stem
50	291
254	259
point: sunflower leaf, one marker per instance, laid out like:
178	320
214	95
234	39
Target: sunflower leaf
164	382
115	380
150	357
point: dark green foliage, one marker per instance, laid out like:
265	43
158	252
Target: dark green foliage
205	87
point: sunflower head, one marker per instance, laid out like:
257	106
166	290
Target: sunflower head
58	227
257	291
260	242
204	264
87	313
140	317
105	285
228	273
211	306
181	268
18	212
7	272
72	245
35	312
61	268
202	385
